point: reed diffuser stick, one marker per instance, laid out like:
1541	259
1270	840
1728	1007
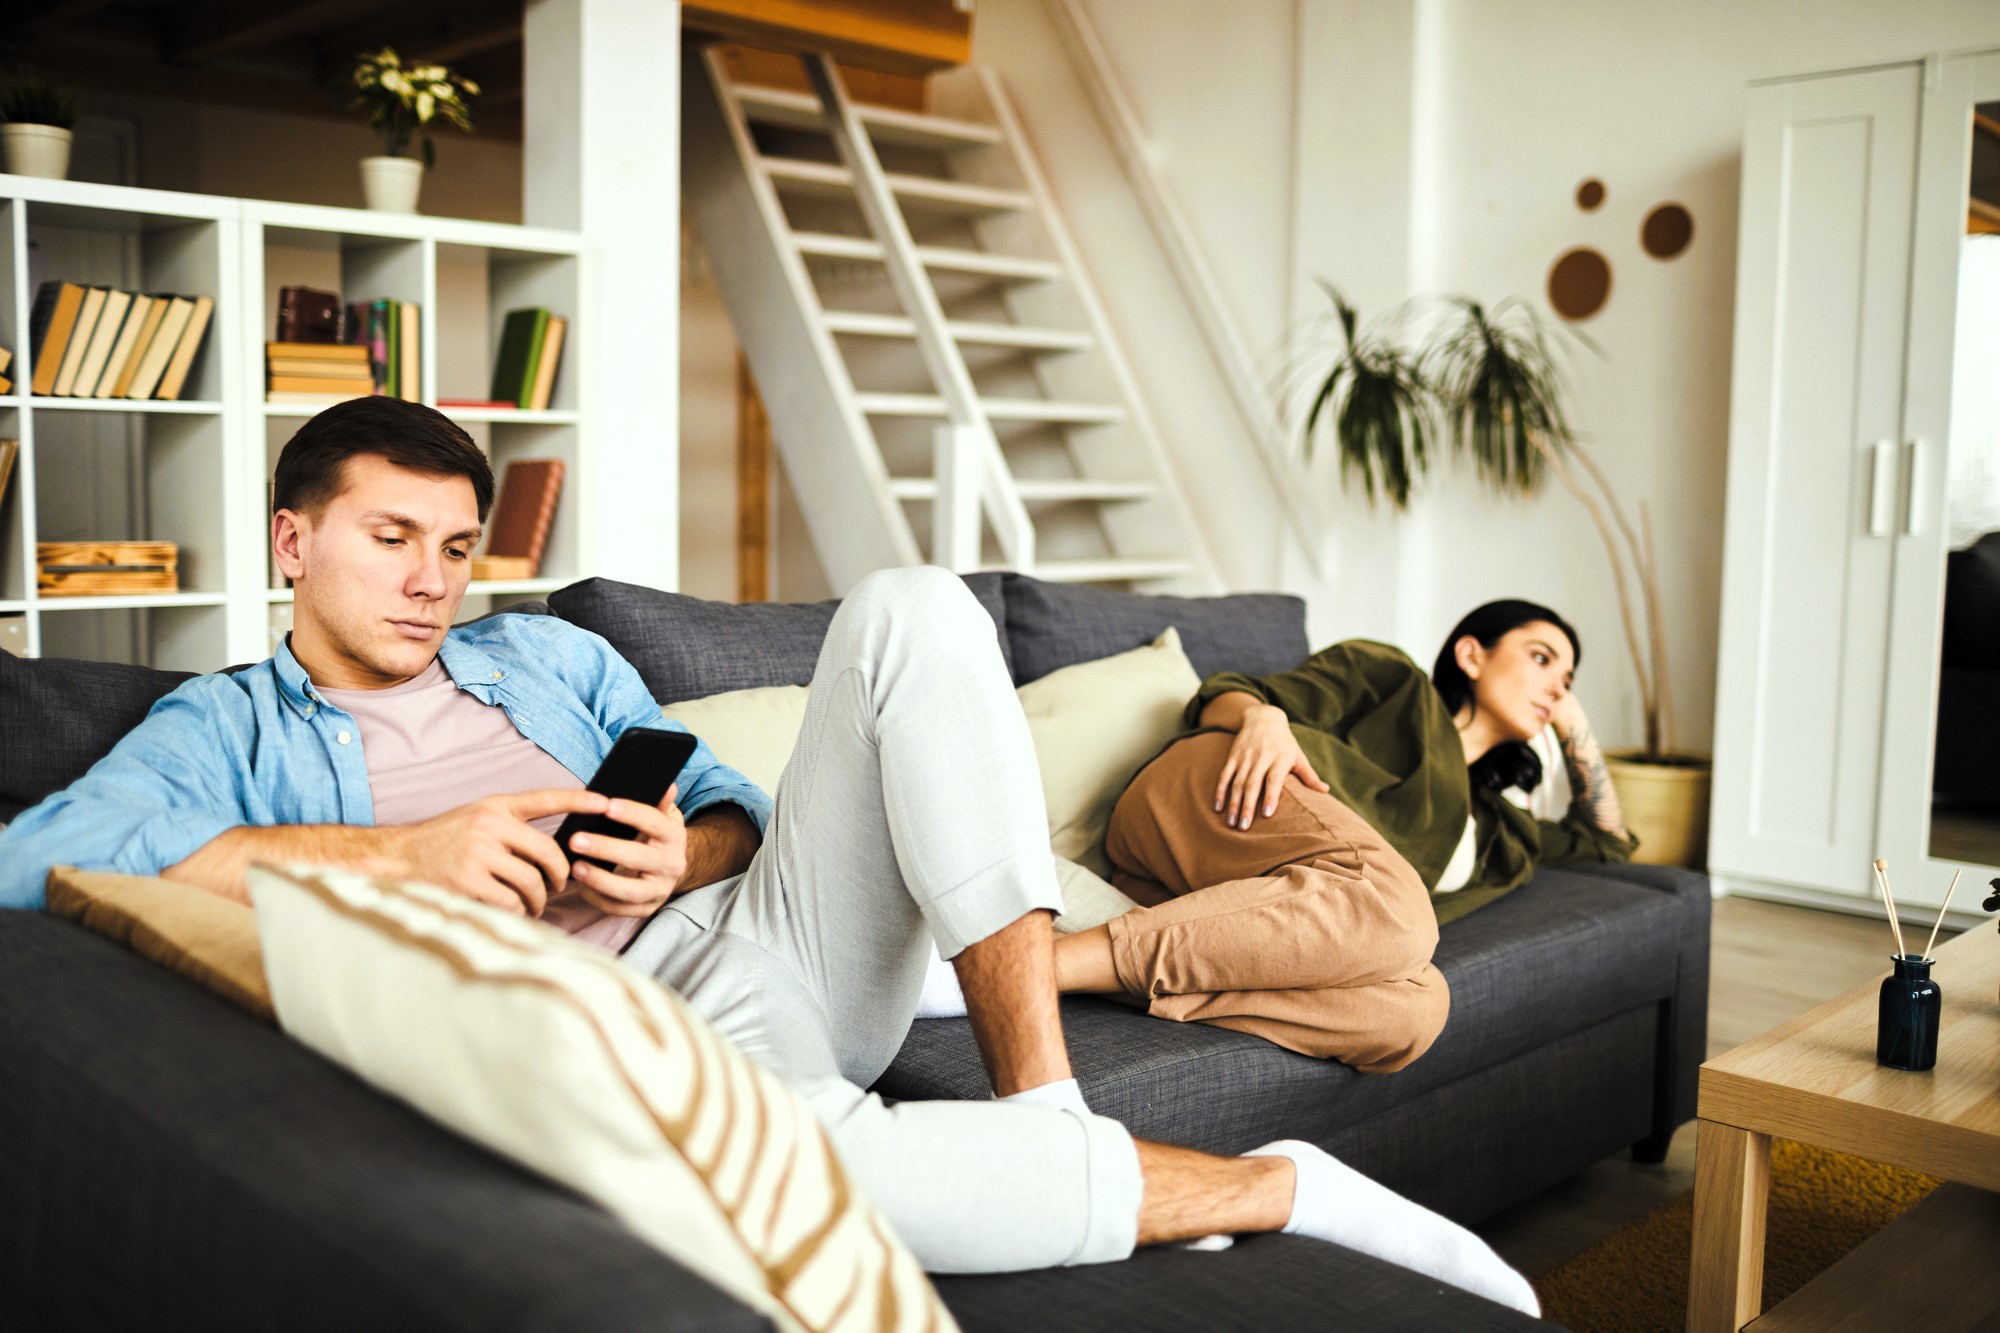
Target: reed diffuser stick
1889	899
1941	911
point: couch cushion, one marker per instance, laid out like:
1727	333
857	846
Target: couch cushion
1564	951
553	1053
1053	625
209	939
689	647
58	717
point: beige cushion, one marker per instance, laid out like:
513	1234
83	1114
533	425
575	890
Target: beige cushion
752	731
558	1056
1087	899
210	940
1095	725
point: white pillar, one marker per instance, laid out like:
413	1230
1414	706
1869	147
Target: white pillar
601	155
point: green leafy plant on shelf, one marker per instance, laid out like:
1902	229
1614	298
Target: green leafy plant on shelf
26	98
404	102
1491	381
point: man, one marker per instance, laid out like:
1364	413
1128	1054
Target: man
380	738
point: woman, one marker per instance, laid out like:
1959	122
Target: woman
1294	856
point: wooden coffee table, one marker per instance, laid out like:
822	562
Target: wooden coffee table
1815	1080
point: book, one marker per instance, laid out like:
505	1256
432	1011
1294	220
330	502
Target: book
182	362
545	367
49	330
349	388
79	340
348	352
520	346
410	381
374	336
121	351
346	370
282	398
155	313
306	315
529	489
6	358
8	449
161	350
6	385
474	402
110	322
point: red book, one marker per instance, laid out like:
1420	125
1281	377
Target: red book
444	403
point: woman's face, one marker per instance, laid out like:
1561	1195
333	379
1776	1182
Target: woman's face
1520	680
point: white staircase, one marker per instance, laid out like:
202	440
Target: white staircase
940	377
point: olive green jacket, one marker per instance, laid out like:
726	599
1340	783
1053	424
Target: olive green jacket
1374	729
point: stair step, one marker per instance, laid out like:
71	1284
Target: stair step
1008	268
824	178
1040	490
801	111
997	409
963	331
1111	570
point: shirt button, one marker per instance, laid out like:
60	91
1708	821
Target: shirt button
343	738
499	675
309	710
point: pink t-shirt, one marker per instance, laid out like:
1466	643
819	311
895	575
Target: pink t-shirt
431	747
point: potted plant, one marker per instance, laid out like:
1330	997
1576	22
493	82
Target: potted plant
401	104
1493	381
38	118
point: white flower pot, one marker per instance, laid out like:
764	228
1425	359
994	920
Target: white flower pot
390	184
36	150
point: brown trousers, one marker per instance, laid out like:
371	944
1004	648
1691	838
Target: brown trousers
1306	929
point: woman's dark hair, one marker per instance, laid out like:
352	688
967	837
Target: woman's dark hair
409	435
1510	763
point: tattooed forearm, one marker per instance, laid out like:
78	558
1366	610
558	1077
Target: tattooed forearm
1590	783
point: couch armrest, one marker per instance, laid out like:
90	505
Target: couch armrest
172	1161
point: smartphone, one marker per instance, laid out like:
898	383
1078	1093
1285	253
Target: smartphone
643	763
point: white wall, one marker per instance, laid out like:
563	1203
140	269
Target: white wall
1497	111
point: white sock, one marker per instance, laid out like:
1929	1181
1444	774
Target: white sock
1062	1095
941	996
1336	1203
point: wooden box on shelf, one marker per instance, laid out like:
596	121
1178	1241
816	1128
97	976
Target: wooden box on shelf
84	569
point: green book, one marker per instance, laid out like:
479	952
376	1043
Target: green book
392	372
520	356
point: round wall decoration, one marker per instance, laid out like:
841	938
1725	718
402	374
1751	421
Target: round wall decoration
1667	231
1579	284
1590	195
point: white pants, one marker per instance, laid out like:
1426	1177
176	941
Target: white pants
911	810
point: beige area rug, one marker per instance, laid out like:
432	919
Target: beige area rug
1822	1205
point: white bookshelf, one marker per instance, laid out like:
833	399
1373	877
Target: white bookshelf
195	471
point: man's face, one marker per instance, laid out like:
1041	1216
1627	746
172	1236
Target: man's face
378	573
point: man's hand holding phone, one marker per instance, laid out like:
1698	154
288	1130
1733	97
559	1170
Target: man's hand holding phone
647	868
488	851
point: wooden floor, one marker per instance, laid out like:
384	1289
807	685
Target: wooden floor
1767	962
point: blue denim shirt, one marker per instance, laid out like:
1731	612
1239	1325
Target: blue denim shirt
260	746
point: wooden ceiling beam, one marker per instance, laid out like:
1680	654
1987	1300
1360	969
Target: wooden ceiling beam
457	34
230	26
895	36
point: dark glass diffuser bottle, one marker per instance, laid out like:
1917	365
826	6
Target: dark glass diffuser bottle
1906	1034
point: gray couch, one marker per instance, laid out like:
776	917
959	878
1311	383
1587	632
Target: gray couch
170	1162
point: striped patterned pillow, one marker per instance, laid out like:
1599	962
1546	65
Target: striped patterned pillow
558	1056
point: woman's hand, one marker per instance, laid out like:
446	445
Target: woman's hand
1264	755
1567	717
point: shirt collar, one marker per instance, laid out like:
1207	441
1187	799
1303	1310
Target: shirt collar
468	665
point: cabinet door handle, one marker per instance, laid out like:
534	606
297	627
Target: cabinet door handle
1882	489
1913	450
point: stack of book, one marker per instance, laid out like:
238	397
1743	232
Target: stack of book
531	344
317	374
98	342
392	333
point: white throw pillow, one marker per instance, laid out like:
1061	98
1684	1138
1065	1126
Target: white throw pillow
1095	725
556	1055
752	731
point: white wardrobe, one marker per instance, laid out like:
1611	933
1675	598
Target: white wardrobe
1854	216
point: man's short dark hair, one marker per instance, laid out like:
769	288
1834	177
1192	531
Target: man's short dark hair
407	434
